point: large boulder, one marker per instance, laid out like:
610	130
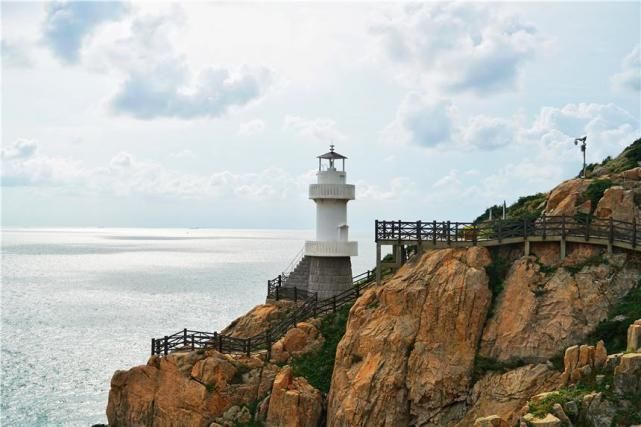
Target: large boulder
504	394
617	204
303	338
409	348
258	319
186	389
293	402
564	198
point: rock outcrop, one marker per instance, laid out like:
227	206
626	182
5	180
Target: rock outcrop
504	394
258	319
408	352
539	314
303	338
186	389
293	402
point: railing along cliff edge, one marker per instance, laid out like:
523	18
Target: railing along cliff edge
310	306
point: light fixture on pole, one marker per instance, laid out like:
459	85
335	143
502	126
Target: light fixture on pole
583	146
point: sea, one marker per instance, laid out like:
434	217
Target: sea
78	304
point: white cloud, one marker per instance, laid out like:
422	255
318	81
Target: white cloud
399	187
252	127
124	175
159	81
459	46
20	149
629	79
68	24
321	129
609	128
489	133
421	121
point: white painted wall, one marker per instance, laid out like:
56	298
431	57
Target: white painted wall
330	215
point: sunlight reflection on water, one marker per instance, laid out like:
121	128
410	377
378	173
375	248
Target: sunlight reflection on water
78	304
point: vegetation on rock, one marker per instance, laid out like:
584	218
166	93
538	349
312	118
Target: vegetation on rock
613	330
526	207
317	367
628	159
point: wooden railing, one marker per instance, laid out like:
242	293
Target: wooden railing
589	229
310	306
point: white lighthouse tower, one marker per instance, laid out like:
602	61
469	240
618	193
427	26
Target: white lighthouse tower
330	266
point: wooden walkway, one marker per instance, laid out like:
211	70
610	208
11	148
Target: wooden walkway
402	235
309	307
445	234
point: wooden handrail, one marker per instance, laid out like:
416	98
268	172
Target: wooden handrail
395	232
311	307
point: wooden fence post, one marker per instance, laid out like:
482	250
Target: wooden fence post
166	345
185	337
357	287
277	293
280	280
376	230
193	342
587	228
153	346
399	231
434	233
418	232
316	300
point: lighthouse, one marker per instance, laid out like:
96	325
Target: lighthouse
330	266
326	267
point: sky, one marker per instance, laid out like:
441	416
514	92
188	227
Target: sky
201	114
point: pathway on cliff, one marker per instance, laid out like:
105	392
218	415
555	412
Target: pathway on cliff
402	235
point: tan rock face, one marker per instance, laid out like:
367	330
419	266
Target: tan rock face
503	394
409	348
491	421
293	402
581	361
539	315
617	204
186	389
304	338
634	337
258	319
564	197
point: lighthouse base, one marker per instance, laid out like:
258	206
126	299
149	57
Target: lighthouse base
329	276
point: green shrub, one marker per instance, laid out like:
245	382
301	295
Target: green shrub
613	331
595	191
543	407
211	387
483	365
526	207
317	367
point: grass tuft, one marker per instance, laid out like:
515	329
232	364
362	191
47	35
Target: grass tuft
317	367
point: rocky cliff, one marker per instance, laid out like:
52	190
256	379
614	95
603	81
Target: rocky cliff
456	337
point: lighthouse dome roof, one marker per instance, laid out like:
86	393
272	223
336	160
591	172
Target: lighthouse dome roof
331	154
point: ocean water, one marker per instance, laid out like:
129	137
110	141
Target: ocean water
78	304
